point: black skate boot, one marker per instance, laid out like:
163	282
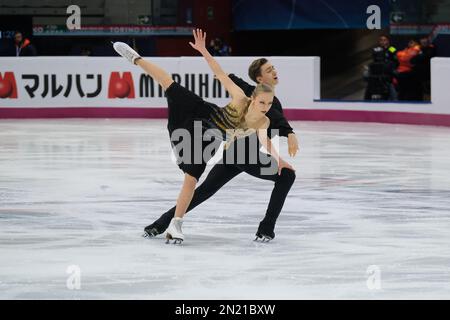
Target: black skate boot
152	231
265	232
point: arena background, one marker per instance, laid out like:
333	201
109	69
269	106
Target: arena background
334	31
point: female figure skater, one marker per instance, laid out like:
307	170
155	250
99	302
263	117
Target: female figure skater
242	115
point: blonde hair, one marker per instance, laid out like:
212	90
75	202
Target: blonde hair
260	88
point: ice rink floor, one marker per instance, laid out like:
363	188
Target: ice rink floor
368	216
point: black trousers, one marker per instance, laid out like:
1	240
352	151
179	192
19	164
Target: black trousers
221	173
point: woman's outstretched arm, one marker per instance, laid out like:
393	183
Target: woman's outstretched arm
236	93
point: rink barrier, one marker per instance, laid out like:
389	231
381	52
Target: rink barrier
291	114
110	87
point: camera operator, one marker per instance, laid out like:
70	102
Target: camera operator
380	73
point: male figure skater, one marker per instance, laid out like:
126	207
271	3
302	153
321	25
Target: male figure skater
260	71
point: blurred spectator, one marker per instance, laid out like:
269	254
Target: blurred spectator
218	48
23	46
86	52
422	65
409	85
212	48
380	73
389	51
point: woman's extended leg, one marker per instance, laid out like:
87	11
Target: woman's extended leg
174	230
185	196
157	73
182	105
187	190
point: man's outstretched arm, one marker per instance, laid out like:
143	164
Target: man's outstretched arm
275	114
278	121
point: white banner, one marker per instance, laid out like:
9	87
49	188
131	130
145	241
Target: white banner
113	82
110	82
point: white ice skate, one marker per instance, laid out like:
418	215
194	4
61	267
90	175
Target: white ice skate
126	51
174	231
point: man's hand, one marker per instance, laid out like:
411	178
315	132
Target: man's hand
199	40
292	144
283	164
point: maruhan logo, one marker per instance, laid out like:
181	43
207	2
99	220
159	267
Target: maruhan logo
121	86
8	87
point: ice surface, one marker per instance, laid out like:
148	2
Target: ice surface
79	192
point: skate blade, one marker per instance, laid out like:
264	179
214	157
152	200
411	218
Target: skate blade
150	233
174	241
147	235
263	239
169	238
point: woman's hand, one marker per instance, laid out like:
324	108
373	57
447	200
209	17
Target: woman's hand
199	40
283	164
292	144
